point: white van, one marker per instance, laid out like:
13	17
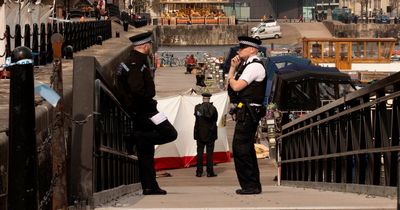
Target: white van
269	22
264	32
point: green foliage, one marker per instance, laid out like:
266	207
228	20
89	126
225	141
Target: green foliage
156	6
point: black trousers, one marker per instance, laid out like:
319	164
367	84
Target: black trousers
209	151
244	154
189	68
147	135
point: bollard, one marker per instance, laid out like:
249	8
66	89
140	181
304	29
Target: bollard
22	179
99	40
272	46
69	52
125	24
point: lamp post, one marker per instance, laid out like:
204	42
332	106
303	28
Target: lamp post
234	8
130	7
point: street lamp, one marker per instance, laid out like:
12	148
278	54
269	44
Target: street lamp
130	7
234	8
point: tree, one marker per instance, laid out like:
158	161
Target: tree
156	6
395	5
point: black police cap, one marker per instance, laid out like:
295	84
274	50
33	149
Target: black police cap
206	95
245	41
142	38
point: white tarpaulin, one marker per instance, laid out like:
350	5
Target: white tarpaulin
180	112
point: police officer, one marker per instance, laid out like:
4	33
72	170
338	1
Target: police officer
137	89
247	79
205	133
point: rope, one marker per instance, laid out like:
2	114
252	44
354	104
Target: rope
5	130
81	122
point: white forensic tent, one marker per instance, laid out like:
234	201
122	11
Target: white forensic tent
180	112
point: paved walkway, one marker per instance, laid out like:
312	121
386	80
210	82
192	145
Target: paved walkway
185	191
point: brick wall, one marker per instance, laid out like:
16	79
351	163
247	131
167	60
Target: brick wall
200	34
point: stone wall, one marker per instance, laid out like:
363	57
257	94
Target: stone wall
371	30
200	34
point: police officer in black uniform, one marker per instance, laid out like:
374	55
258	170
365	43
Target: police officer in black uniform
136	87
205	133
247	79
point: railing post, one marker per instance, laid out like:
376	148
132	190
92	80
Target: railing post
17	36
35	44
58	147
22	179
27	36
8	41
398	181
42	56
81	171
49	57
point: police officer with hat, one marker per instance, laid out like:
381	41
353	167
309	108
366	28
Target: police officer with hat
205	133
136	87
246	88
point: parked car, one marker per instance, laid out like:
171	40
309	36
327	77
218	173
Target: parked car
382	19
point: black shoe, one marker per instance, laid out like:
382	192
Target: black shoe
199	174
248	192
211	174
158	191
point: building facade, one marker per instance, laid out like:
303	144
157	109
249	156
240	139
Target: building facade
372	8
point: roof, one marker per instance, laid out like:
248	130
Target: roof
304	87
277	62
295	67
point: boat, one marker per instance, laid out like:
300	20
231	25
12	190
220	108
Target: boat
365	59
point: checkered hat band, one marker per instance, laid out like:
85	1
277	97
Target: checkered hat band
248	43
148	39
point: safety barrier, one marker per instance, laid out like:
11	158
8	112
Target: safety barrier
80	35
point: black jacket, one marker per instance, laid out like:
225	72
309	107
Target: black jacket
136	87
205	127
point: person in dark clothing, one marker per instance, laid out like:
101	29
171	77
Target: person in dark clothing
137	89
205	133
246	80
200	76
